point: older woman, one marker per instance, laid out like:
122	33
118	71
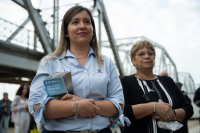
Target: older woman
144	113
96	85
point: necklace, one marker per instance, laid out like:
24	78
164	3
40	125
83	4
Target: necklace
139	76
82	58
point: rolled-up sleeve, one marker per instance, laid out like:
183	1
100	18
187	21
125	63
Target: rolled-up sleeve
114	91
38	93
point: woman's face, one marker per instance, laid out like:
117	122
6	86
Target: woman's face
144	59
80	29
25	90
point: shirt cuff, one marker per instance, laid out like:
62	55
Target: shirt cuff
123	118
117	103
38	115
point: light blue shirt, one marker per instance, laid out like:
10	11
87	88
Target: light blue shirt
89	82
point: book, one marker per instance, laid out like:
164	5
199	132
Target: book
58	84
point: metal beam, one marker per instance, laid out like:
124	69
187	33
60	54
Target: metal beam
19	2
39	27
18	62
18	30
12	48
55	23
99	5
100	20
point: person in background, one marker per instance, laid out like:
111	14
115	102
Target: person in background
164	73
143	86
196	99
19	107
5	104
184	93
184	129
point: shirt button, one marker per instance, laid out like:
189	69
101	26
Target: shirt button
84	71
88	124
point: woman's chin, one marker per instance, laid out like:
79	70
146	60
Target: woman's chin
147	67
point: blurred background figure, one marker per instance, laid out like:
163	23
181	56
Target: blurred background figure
20	115
164	73
184	129
5	104
196	99
184	93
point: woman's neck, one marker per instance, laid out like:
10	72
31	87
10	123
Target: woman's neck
79	52
145	75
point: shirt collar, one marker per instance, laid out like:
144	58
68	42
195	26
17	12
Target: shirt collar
69	54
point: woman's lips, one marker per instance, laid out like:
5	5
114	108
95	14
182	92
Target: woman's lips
82	33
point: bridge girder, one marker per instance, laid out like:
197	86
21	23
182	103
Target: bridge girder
17	61
38	23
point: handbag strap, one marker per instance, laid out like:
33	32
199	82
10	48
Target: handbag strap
156	90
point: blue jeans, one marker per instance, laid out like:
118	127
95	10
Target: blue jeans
4	121
105	130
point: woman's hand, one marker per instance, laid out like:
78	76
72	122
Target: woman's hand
26	106
71	97
87	108
155	116
164	111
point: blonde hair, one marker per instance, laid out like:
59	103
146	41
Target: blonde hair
140	45
64	42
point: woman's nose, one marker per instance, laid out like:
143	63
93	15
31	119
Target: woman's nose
146	55
82	25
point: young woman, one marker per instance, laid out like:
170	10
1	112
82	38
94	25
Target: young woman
96	85
19	107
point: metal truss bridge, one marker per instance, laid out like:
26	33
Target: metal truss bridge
21	49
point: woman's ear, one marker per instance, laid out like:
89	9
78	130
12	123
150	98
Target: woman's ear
133	61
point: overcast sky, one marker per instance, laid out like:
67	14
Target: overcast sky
174	24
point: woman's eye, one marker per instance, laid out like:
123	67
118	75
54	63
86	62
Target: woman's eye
74	22
150	53
141	54
88	22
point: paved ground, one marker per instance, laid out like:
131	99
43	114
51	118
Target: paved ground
192	124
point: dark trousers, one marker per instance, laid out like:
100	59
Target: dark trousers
105	130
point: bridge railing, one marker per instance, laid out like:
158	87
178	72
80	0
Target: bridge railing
187	81
24	37
163	61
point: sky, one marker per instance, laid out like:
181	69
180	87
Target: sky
174	24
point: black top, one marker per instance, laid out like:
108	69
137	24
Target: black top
134	89
6	110
197	97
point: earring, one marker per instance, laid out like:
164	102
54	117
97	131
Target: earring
66	35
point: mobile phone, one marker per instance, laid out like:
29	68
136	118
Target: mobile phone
151	97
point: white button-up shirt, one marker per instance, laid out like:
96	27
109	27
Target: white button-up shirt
89	82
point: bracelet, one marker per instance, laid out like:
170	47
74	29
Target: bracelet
174	112
73	108
76	112
154	109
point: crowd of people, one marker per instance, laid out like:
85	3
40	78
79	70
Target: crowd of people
101	101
